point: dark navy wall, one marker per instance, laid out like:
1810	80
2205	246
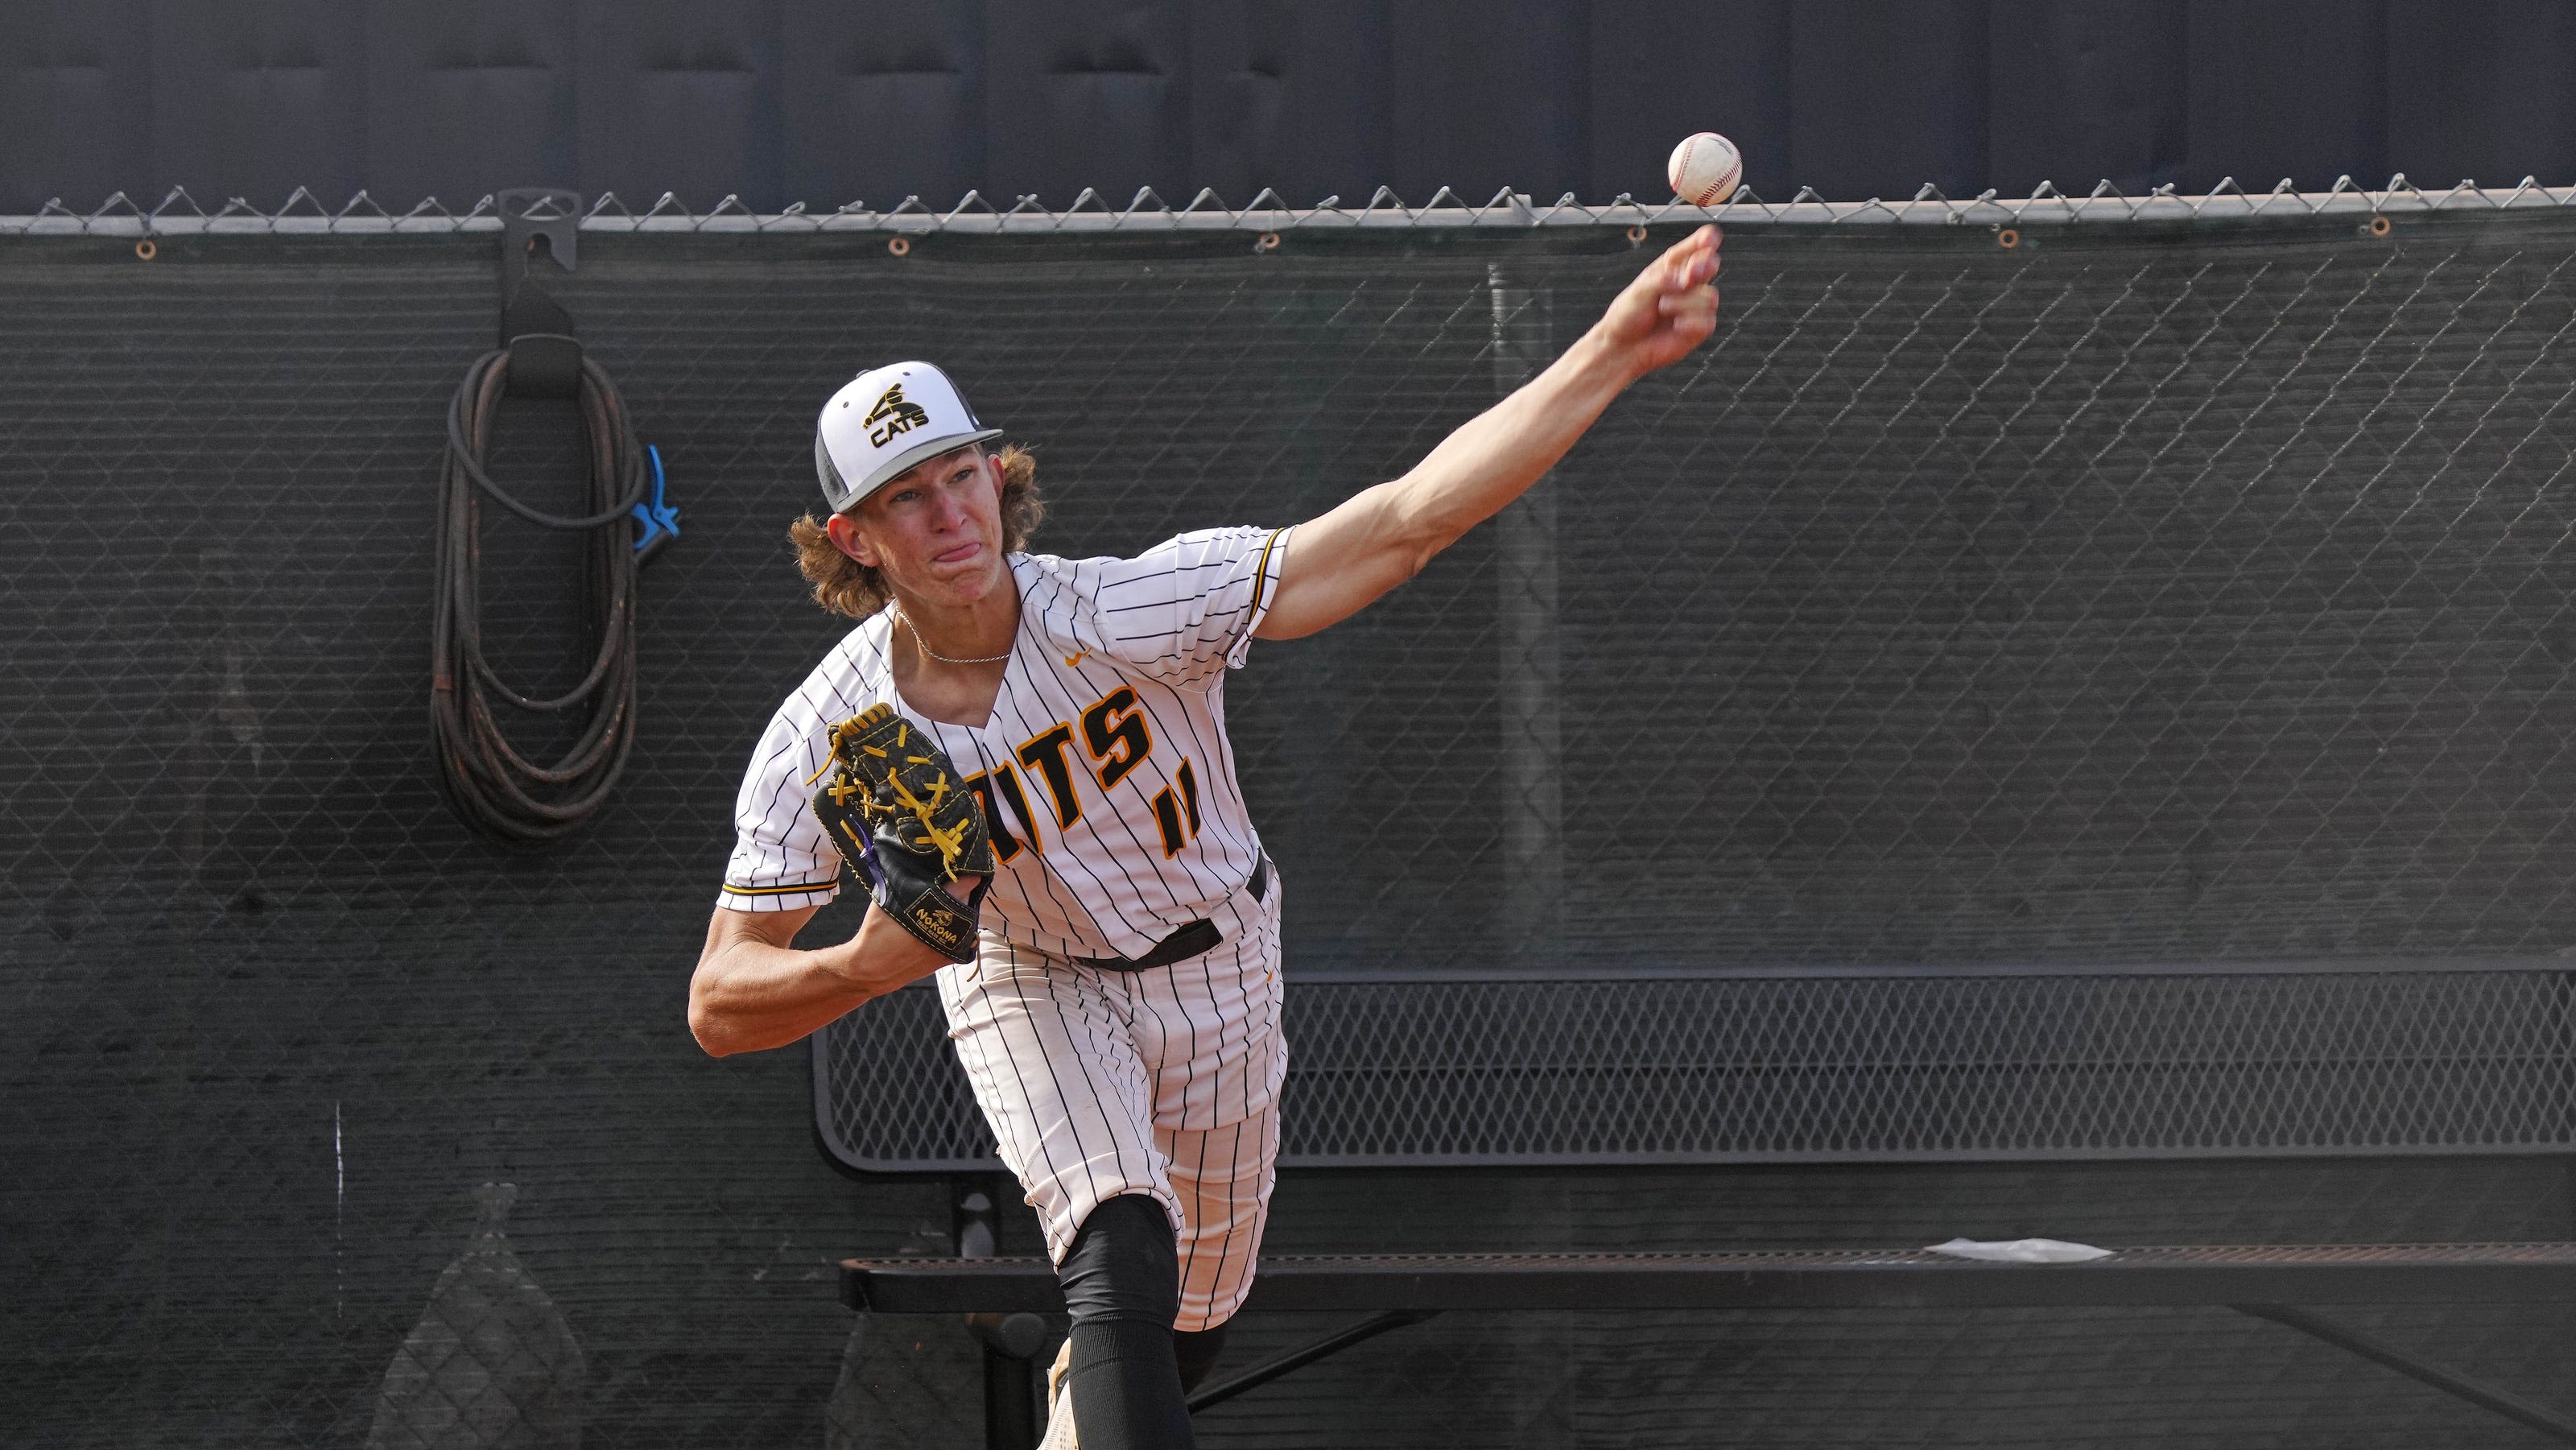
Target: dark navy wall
803	100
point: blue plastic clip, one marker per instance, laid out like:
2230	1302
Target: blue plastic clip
659	522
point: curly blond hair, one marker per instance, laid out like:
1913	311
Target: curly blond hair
843	585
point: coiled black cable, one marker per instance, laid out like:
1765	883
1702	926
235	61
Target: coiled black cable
489	784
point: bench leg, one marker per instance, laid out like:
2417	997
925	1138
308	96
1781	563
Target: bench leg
1306	1354
2371	1347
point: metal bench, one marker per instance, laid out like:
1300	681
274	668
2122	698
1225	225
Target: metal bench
1730	1066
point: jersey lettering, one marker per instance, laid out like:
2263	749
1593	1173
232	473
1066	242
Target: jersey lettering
1003	784
1115	731
1190	795
1045	753
1009	781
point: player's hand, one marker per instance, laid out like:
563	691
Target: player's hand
1669	309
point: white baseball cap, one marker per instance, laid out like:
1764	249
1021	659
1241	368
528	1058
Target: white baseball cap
884	421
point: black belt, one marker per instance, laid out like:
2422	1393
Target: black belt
1199	936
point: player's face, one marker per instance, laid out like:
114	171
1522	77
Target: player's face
936	531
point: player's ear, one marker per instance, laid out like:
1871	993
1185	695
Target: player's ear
847	538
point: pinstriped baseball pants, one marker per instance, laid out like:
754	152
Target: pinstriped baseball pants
1162	1082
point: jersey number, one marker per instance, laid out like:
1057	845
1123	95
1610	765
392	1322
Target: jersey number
1168	812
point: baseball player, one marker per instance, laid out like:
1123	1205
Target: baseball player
1104	923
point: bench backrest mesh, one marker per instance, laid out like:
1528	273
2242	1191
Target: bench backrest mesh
1719	1069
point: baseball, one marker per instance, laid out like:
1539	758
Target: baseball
1705	169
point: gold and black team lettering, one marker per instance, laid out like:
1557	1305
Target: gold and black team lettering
1114	731
1044	753
998	787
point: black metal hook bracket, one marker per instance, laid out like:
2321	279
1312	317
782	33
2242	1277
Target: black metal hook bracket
545	354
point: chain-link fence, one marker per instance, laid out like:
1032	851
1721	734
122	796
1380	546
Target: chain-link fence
1996	591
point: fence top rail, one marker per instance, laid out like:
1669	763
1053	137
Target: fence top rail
304	214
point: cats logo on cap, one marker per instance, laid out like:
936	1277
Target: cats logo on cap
884	421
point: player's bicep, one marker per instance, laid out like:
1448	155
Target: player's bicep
1342	561
727	928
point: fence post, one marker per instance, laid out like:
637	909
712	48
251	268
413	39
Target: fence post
1531	917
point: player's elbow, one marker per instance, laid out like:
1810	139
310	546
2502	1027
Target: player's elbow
1420	535
1409	553
1410	537
1419	552
714	1029
707	1026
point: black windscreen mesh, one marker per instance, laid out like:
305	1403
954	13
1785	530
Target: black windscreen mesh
2141	599
2123	596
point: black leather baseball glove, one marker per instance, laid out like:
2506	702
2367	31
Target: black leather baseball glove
906	822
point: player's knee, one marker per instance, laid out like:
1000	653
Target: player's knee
1123	1265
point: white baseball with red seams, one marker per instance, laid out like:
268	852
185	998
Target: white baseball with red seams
1705	168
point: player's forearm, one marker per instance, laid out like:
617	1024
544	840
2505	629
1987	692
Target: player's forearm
1495	456
749	994
1340	563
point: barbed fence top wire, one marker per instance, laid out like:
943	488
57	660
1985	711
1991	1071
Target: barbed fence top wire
180	214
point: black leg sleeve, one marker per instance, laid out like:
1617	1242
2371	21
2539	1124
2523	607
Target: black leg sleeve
1122	1282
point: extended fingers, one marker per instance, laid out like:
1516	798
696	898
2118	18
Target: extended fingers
1692	260
1699	303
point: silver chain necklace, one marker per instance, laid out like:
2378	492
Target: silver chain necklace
923	645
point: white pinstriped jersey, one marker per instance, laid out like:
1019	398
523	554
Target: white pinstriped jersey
1104	769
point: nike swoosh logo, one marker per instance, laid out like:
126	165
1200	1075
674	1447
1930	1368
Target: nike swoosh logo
1077	657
